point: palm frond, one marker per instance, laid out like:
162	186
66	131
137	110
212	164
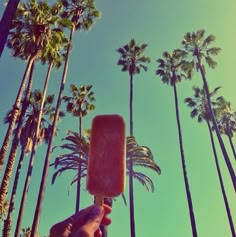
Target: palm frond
209	39
144	180
213	51
211	63
194	113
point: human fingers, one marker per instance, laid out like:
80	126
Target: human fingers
79	219
64	228
107	210
74	222
92	224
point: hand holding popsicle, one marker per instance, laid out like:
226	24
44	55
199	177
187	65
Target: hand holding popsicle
105	178
85	223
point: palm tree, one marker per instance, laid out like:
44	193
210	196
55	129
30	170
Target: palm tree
34	133
26	143
226	120
5	23
200	110
26	138
29	34
53	54
12	155
80	15
196	47
79	104
132	60
170	71
77	157
139	156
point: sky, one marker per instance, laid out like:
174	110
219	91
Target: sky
162	25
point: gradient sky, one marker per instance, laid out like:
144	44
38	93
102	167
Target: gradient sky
162	25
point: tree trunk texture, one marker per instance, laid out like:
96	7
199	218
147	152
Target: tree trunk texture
15	143
221	182
131	188
222	146
8	222
77	204
42	188
186	183
6	21
15	113
232	146
32	155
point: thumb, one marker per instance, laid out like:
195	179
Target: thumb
95	217
92	223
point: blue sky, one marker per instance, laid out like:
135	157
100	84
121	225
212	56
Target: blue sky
162	25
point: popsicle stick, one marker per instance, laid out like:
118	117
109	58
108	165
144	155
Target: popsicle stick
99	199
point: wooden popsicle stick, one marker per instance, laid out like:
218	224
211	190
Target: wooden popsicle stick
99	199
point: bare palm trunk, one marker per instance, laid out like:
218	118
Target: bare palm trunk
42	188
32	156
221	182
222	146
232	146
131	189
15	112
6	21
15	143
77	204
186	183
8	222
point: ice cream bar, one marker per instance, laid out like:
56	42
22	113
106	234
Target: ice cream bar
106	162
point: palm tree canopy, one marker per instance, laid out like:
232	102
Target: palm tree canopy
29	124
170	67
196	44
199	103
81	13
81	101
131	58
141	156
226	118
32	113
31	28
78	148
55	48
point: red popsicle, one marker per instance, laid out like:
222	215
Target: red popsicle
106	163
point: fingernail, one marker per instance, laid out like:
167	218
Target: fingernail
96	211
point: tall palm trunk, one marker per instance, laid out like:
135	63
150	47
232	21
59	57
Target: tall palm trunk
232	146
6	21
15	143
77	204
8	222
131	189
221	182
15	112
186	183
42	188
222	146
32	156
